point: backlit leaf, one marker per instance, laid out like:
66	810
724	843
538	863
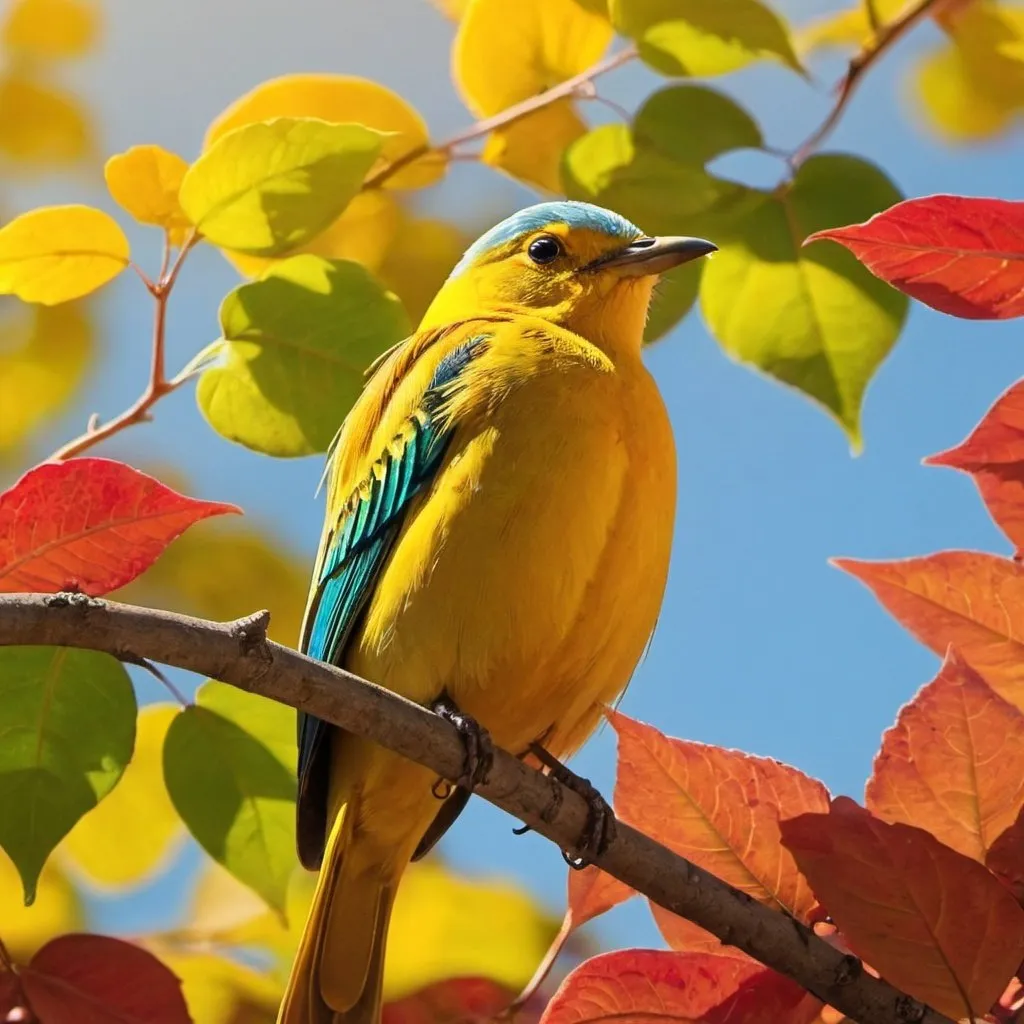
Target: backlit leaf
593	892
726	809
452	1001
145	181
68	721
58	253
970	600
1005	858
269	187
50	28
341	99
297	344
57	909
42	124
95	979
959	255
953	763
934	923
689	988
100	847
704	37
229	765
813	318
994	456
89	525
850	27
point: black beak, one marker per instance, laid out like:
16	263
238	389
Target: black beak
650	256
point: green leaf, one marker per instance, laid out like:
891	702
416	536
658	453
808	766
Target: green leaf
297	343
813	318
704	37
67	718
229	765
271	186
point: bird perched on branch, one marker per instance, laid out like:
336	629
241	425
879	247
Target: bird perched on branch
500	504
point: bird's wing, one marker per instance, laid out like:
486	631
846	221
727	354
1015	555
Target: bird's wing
356	544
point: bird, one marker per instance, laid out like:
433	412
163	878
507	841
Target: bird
500	504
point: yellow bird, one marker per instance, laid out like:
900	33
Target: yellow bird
500	504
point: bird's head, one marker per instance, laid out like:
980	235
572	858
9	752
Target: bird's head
577	265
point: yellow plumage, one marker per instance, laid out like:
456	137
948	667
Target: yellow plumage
521	576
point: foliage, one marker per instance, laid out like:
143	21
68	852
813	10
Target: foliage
308	186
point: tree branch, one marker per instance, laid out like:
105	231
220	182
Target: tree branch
240	654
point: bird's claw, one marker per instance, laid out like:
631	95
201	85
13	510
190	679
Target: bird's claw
476	741
599	830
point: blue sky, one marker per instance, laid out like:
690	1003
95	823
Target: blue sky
761	645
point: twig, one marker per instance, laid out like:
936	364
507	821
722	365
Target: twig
239	653
564	90
158	384
884	39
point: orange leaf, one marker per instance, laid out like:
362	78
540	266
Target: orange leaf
994	457
719	808
93	979
648	984
686	937
953	763
89	525
1006	858
934	923
970	600
592	892
452	1001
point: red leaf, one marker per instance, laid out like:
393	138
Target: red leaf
453	1001
89	525
953	763
93	979
10	993
725	809
934	923
1006	858
959	255
646	984
994	456
593	892
972	601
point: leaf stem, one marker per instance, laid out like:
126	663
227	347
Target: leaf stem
6	963
884	39
543	968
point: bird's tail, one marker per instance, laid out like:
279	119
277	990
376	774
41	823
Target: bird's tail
339	967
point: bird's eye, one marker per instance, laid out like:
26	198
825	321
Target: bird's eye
544	249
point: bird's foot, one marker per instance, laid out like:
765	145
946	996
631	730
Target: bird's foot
599	830
476	741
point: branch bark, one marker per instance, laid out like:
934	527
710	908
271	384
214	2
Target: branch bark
239	653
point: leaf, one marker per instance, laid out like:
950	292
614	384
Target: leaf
269	187
812	318
934	923
45	355
592	892
719	808
94	979
959	255
704	37
970	600
221	991
100	847
451	1001
1005	858
953	764
297	344
58	253
42	124
850	27
341	99
68	721
50	28
229	766
994	456
89	525
689	988
57	909
145	181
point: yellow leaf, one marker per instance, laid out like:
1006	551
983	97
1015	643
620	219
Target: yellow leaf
44	356
145	181
222	991
41	124
453	9
57	909
58	253
341	99
847	28
269	187
504	53
50	28
362	233
101	847
531	149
